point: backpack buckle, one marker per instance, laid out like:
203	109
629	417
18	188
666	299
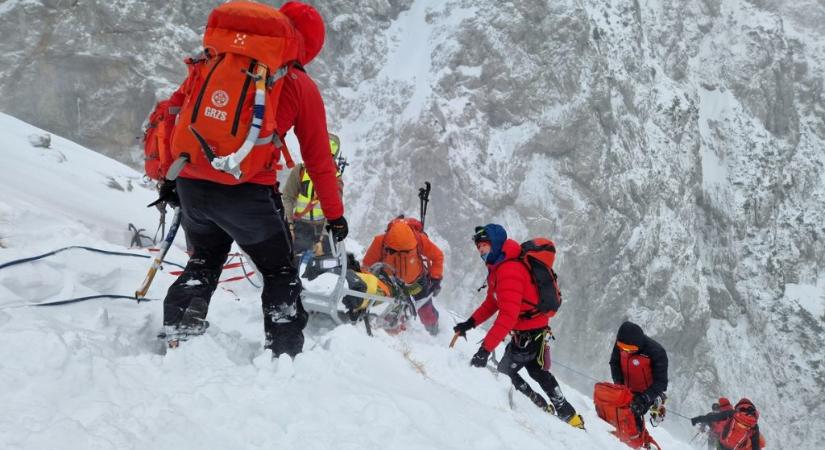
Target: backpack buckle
280	73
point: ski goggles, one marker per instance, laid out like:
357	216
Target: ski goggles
392	251
627	347
481	235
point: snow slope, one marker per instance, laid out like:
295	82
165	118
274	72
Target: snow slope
92	375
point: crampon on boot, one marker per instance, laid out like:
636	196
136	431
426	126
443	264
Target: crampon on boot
175	334
576	421
561	408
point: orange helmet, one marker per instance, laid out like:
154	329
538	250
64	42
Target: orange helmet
400	237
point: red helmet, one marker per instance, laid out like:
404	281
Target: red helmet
310	25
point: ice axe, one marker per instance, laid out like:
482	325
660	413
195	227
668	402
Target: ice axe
171	174
455	338
424	196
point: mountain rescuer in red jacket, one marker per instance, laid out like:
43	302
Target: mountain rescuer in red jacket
511	292
640	363
215	212
735	427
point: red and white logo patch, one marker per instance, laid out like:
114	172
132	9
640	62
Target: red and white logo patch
220	98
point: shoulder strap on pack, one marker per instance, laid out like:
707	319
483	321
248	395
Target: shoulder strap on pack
281	145
419	247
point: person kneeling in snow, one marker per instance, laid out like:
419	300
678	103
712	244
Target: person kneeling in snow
413	258
640	363
512	292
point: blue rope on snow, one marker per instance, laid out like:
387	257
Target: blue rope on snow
91	297
94	250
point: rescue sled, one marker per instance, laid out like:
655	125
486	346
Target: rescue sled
332	288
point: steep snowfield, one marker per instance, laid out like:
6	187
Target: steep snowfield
92	375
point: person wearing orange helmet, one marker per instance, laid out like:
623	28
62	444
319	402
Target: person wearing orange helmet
415	260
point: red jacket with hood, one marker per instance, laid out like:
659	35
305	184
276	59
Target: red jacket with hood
511	292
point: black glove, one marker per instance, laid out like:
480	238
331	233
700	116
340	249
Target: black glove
461	328
640	404
339	229
695	420
480	358
167	193
435	286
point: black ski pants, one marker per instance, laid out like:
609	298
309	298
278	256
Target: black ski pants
214	215
523	351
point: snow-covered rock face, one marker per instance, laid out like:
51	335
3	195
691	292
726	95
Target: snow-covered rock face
672	149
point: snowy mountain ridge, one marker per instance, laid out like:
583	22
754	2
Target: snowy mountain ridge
90	375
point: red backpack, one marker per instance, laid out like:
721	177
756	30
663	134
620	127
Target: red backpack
719	427
539	254
740	428
157	137
227	121
613	406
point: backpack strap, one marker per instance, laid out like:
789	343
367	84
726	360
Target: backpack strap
425	262
755	438
284	151
310	206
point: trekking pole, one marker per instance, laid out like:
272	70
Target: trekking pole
342	164
424	196
455	338
171	175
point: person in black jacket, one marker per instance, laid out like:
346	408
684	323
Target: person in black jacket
640	363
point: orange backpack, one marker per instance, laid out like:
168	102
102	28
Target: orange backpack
227	122
156	138
739	429
613	406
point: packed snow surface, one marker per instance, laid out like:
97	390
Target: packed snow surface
94	375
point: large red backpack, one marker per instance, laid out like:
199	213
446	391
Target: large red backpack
157	137
539	254
740	428
227	121
719	427
613	406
